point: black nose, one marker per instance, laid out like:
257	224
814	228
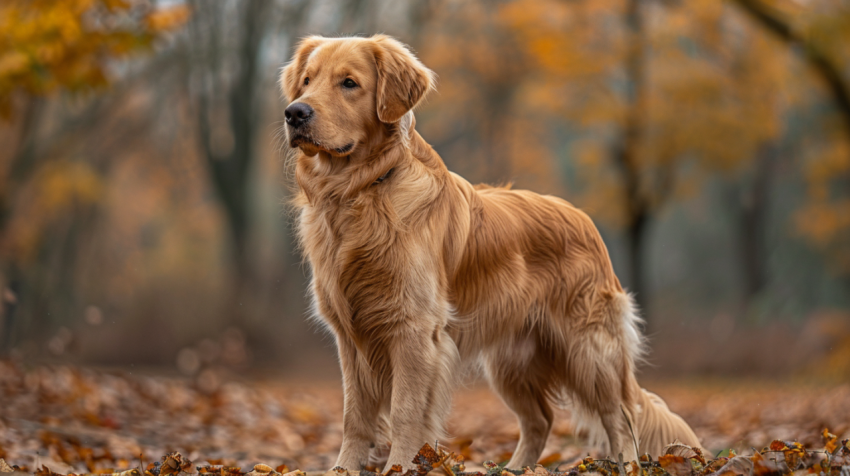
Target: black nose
297	114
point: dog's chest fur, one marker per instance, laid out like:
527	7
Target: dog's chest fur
371	269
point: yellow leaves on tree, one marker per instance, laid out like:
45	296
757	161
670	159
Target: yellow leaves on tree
167	18
62	182
51	44
565	39
716	91
707	99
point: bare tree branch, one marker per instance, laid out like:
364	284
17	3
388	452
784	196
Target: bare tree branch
817	58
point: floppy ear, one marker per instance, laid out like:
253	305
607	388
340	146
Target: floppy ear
291	77
403	81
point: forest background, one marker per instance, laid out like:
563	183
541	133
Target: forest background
143	180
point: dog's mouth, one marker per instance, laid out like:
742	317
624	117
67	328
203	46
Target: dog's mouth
310	146
299	140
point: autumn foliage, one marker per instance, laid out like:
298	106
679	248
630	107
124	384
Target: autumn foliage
47	45
81	420
780	458
693	128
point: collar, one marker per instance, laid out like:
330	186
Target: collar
384	177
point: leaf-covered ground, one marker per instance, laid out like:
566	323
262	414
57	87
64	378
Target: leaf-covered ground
79	420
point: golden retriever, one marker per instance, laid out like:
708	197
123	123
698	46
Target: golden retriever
419	274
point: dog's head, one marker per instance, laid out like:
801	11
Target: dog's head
343	90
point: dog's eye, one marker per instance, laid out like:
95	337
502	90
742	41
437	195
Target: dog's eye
349	83
306	81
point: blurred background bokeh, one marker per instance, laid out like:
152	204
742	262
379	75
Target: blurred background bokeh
144	181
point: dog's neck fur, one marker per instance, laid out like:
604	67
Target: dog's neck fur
325	177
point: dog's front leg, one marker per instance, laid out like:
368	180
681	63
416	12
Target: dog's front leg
361	421
422	363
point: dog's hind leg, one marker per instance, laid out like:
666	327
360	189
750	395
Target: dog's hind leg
520	381
600	402
600	371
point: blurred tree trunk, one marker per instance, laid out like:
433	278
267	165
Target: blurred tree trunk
752	200
498	92
637	206
498	97
227	65
21	164
229	169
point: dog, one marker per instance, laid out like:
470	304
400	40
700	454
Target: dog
419	274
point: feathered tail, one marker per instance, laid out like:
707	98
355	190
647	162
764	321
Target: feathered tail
657	426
